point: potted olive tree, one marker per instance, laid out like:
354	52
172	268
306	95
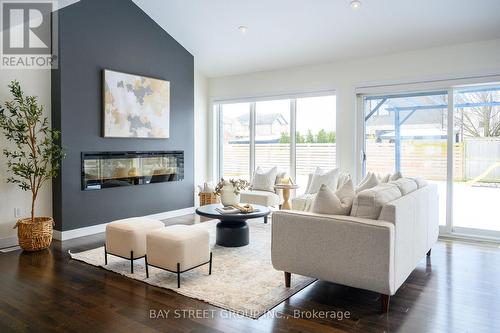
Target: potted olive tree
34	159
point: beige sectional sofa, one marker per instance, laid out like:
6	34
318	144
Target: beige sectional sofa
376	252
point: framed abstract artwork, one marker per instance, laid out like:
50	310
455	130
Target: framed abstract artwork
135	106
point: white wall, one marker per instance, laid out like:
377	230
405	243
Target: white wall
345	76
33	82
201	125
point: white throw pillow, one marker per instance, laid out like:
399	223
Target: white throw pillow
264	181
371	180
329	179
364	180
396	176
368	203
406	185
419	180
384	179
310	177
344	177
334	203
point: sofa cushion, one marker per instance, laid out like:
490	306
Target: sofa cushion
406	185
329	179
264	198
368	203
329	202
371	180
264	180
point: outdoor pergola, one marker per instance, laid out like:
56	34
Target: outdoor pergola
400	119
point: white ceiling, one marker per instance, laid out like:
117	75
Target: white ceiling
286	33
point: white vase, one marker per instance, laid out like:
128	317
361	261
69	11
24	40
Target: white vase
227	196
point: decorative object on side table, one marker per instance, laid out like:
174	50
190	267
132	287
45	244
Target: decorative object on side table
286	187
35	160
229	190
207	195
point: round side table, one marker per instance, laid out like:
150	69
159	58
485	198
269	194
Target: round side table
286	193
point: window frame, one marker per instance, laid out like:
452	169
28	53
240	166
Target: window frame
217	106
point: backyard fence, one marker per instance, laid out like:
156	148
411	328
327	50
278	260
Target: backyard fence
425	158
482	159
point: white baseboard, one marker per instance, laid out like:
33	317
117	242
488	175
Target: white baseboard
8	242
99	228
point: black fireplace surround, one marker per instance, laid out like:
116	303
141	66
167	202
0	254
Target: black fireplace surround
127	168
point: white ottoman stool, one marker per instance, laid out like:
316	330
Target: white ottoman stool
127	238
177	249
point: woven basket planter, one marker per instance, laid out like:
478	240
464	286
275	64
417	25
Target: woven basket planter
207	198
35	236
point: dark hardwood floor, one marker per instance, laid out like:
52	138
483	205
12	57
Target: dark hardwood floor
457	289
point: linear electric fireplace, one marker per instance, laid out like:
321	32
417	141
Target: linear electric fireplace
112	169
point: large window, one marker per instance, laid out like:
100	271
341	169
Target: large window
259	134
315	136
272	134
408	133
235	137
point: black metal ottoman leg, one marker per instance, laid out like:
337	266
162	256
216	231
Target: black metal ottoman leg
210	265
178	275
147	270
131	262
105	255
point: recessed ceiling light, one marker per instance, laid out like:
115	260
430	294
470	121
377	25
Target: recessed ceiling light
243	28
355	4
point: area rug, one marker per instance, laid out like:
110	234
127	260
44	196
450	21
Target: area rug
243	279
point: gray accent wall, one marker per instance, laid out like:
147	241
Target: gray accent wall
116	34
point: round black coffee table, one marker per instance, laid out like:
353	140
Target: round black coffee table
232	230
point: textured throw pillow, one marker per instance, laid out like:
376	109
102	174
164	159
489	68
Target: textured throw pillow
384	179
334	203
368	203
329	179
344	177
364	180
264	180
396	176
371	180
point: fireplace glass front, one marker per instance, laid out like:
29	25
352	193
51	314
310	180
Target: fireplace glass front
113	169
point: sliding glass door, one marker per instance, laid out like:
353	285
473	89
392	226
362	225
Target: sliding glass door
408	133
452	139
476	178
